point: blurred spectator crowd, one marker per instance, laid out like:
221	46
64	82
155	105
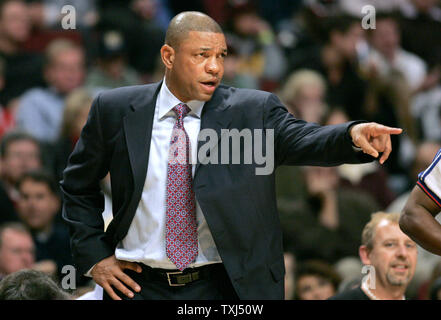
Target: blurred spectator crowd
314	54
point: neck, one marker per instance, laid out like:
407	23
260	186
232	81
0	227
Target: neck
384	292
45	231
173	90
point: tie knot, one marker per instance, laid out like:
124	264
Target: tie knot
181	110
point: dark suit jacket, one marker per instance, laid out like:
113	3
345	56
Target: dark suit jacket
239	206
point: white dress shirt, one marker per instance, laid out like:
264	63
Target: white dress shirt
145	240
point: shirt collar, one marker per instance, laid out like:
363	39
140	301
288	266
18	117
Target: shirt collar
167	101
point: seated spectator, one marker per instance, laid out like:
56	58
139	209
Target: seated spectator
387	55
315	280
41	109
38	207
232	74
74	118
337	60
367	177
19	152
17	249
395	75
23	70
111	70
30	285
426	110
303	95
327	221
144	35
391	254
422	17
260	55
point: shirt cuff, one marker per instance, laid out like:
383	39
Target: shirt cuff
88	273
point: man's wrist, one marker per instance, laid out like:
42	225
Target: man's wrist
349	135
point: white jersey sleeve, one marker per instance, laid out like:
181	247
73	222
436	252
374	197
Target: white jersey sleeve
430	179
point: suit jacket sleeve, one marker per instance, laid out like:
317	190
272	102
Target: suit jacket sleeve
83	201
297	142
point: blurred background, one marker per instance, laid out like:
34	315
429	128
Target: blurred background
314	54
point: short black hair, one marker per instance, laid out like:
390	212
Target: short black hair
13	136
30	285
40	176
317	268
340	24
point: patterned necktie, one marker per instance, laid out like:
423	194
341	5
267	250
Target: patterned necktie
181	227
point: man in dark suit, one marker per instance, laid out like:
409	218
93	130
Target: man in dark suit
183	231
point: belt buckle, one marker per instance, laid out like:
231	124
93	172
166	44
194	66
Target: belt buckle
174	284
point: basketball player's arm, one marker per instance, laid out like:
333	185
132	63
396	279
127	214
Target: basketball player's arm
419	223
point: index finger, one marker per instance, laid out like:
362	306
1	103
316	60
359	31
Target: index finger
381	129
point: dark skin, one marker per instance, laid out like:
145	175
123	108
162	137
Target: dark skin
419	223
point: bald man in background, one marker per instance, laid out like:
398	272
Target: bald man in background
183	231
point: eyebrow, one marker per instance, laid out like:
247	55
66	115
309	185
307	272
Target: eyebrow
208	49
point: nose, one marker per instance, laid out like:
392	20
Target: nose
213	66
402	251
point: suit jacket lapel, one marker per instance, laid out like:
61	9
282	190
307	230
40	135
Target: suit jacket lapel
214	116
138	132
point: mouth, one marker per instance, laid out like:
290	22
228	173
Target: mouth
400	267
210	85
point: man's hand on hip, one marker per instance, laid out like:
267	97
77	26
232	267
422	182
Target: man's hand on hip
373	138
110	272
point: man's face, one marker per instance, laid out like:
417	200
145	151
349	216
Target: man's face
198	66
386	37
15	22
394	255
16	252
21	156
346	43
66	71
37	205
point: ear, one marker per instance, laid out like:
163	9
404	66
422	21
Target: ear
363	251
167	56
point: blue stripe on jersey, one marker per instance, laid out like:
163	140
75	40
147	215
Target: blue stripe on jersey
423	175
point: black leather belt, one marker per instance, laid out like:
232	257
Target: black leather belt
177	278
